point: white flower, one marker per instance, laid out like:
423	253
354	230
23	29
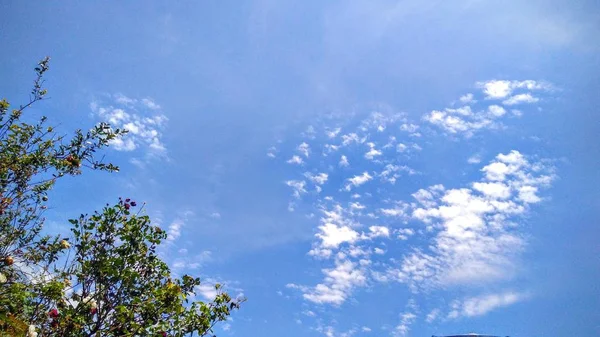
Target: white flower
31	332
65	244
91	302
3	278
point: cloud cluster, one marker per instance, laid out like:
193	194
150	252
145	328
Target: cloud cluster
370	229
476	239
407	318
142	118
472	233
466	120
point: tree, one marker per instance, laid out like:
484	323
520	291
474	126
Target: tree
107	278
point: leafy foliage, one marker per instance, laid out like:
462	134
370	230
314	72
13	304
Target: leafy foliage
107	278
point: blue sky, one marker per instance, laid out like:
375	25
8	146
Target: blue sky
354	168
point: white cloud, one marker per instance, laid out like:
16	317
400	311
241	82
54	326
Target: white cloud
481	305
496	110
124	100
309	313
500	89
343	161
464	111
391	172
474	243
319	178
466	122
121	144
432	315
338	283
469	236
456	124
357	206
474	159
493	190
310	132
329	331
143	130
332	235
378	121
333	133
174	231
533	85
320	253
379	231
296	286
425	197
520	99
399	210
299	187
184	262
351	138
295	160
207	291
401	147
467	98
329	148
407	318
150	104
304	149
527	194
496	89
358	180
373	152
405	233
409	127
453	123
337	238
505	165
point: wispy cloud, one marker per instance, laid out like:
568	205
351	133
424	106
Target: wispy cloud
295	160
141	118
407	318
298	187
304	149
319	178
520	99
501	89
344	161
481	305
